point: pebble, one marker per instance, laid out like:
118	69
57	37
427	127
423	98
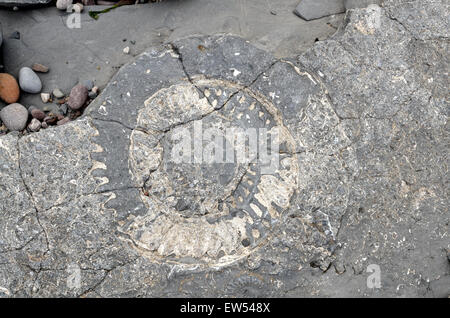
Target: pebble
64	109
57	93
14	116
29	81
63	121
94	89
78	7
44	125
126	50
77	97
37	113
89	84
45	97
39	68
92	95
63	4
9	89
35	125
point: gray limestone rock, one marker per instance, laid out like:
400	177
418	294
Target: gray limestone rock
135	198
352	4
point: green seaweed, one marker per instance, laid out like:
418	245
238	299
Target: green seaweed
95	14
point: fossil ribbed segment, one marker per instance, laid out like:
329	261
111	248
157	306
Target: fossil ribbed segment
215	182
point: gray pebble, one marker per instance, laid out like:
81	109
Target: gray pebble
35	125
28	80
14	116
57	93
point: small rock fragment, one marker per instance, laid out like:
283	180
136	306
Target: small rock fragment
77	97
92	95
63	121
9	89
39	68
78	7
94	89
34	125
14	117
44	125
64	109
45	97
37	113
126	50
29	81
57	93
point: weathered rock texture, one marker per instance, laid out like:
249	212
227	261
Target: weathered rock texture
315	9
97	208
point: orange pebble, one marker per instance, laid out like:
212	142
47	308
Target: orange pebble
9	89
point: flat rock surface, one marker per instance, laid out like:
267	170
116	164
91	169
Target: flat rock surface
315	9
101	206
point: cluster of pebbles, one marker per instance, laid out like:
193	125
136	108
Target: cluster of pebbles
16	117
